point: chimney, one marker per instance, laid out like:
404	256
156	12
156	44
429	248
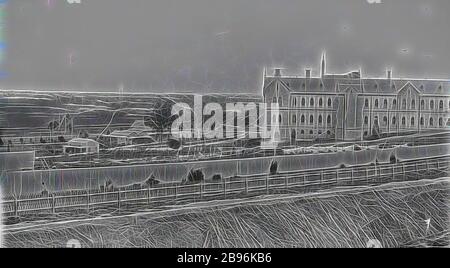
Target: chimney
308	73
277	72
389	74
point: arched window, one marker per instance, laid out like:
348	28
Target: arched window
413	121
404	104
303	119
274	100
403	121
311	132
294	119
279	118
376	103
303	102
394	104
385	104
366	103
366	120
311	119
422	104
422	121
441	122
311	102
302	132
385	120
413	104
394	120
320	102
329	120
320	119
329	102
431	121
441	105
280	101
432	104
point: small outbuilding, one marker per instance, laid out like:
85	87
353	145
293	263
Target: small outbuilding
81	146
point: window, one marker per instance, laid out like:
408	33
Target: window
422	104
432	104
279	118
404	104
385	120
413	121
311	132
280	101
394	104
294	119
441	122
329	102
431	121
303	86
303	102
366	103
394	120
311	119
302	119
413	104
441	105
376	103
385	105
311	102
320	102
422	121
274	100
320	119
366	120
302	132
329	120
403	121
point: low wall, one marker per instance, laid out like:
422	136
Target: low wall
18	183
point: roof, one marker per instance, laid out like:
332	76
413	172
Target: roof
338	83
80	142
137	129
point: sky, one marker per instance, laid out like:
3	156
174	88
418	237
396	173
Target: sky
215	46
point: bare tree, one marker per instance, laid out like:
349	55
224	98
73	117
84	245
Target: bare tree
160	117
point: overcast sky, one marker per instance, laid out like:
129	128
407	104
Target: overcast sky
215	45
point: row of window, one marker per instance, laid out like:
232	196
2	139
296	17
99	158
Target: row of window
302	102
311	132
320	119
431	122
377	104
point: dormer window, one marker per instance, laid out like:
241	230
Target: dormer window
303	86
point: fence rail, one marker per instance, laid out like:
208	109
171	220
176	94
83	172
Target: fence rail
243	185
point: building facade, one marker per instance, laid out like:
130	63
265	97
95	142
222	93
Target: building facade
349	107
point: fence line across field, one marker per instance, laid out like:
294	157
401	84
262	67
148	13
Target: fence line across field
241	185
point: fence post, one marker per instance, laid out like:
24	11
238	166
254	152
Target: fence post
367	175
267	184
286	182
246	186
351	177
176	192
225	187
201	190
88	200
404	172
16	207
337	176
148	194
321	177
118	198
53	204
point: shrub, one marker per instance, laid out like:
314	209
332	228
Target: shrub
273	168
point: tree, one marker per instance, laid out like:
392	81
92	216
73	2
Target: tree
84	134
160	117
52	126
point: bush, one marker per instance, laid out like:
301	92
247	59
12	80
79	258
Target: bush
273	168
195	176
217	177
151	181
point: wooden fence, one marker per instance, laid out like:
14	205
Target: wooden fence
228	187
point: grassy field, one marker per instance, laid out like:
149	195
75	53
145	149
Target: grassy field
395	214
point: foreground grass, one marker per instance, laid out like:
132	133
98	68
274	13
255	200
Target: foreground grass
395	215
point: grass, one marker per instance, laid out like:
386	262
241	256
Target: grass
394	214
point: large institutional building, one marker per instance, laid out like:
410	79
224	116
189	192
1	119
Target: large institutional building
349	107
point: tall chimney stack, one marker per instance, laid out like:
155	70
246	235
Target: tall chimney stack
389	74
277	72
308	73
